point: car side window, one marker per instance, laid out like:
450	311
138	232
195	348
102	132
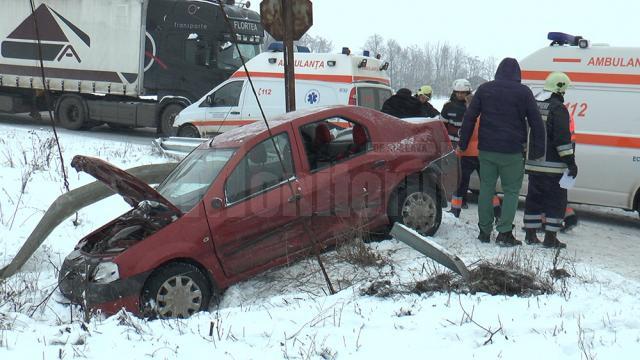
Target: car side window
333	140
372	97
228	95
260	169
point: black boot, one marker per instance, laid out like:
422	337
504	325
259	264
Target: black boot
551	240
569	223
484	237
507	239
531	237
455	212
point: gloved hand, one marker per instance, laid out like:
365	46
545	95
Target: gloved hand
571	164
573	170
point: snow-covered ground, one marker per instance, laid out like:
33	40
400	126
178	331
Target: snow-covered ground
286	313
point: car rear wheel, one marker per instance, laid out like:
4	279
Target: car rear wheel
177	290
166	119
188	131
417	207
71	112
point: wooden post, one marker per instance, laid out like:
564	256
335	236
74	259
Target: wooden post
289	74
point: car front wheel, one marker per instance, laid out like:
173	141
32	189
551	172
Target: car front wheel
177	290
417	207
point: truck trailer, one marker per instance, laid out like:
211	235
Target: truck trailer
126	63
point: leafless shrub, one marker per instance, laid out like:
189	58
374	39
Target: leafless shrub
356	252
42	152
585	343
442	282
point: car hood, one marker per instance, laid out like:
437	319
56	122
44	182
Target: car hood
132	189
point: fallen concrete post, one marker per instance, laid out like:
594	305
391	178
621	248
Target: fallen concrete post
428	247
67	204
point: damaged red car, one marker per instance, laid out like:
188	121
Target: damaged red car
254	198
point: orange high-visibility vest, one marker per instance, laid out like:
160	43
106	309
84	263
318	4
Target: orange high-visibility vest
472	148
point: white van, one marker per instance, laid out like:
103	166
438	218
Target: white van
603	99
321	79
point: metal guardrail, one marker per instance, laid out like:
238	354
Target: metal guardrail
177	147
430	248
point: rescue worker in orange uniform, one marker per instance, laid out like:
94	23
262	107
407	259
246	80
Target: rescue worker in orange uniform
468	164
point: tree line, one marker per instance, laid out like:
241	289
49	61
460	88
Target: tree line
435	64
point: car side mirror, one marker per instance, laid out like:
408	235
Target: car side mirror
217	203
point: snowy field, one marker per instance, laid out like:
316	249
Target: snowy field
287	314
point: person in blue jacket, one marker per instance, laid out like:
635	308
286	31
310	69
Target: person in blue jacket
507	108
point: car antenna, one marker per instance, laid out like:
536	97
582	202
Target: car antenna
234	38
47	100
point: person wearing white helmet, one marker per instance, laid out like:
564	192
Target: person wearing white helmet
453	110
424	96
545	198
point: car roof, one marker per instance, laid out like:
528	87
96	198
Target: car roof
236	137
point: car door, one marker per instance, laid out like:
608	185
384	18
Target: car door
223	108
340	185
258	224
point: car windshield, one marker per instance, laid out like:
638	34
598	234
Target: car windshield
228	57
187	184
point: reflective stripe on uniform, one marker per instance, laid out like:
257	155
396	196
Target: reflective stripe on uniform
545	166
565	150
532	221
553	220
456	202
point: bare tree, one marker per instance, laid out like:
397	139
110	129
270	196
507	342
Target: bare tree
316	44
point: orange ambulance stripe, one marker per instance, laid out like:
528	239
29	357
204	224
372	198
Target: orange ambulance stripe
566	60
608	140
329	78
318	77
600	78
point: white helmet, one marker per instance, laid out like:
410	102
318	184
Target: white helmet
462	85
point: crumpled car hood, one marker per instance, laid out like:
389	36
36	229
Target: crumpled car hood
132	189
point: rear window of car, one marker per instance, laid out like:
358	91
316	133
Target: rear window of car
372	97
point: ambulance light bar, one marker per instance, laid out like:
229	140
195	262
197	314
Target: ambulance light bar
559	38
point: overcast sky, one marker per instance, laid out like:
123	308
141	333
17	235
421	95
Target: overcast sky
484	28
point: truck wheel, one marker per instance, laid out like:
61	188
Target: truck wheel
188	131
416	208
177	290
72	112
166	119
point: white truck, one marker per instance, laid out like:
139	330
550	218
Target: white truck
127	63
603	100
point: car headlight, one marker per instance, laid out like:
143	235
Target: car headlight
106	272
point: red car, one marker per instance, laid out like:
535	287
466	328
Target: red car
252	199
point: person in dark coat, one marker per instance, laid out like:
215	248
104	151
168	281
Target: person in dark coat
403	105
545	198
505	107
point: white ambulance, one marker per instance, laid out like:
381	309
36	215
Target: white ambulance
603	99
321	79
